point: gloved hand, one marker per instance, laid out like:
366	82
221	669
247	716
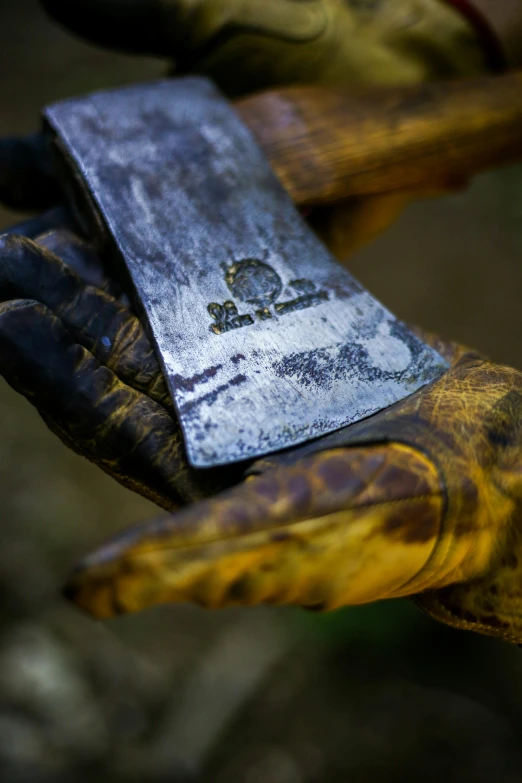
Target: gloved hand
293	41
419	500
79	354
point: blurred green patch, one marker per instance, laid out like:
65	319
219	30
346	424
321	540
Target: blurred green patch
385	622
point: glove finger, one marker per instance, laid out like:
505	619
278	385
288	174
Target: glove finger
136	26
80	255
54	219
95	319
56	230
182	28
343	527
27	180
127	434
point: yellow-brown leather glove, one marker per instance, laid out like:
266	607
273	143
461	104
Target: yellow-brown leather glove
293	41
422	500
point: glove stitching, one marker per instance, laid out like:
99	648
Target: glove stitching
458	622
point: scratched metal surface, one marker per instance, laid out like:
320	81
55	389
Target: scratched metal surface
266	341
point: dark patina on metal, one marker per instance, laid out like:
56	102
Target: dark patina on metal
265	340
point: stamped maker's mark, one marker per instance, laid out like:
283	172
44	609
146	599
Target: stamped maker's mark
258	284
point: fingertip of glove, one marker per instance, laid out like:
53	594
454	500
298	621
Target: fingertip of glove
70	589
94	598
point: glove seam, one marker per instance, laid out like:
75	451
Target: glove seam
456	621
245	533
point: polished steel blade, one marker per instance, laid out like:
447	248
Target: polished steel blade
265	340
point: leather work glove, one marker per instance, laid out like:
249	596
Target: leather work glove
422	499
419	500
294	41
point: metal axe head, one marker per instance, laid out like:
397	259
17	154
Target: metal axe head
265	340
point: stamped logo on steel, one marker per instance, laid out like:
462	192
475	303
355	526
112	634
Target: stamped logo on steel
257	284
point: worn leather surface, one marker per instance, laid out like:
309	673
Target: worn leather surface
287	41
341	527
423	500
84	359
469	426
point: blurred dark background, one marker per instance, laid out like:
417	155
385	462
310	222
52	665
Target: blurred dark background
370	694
